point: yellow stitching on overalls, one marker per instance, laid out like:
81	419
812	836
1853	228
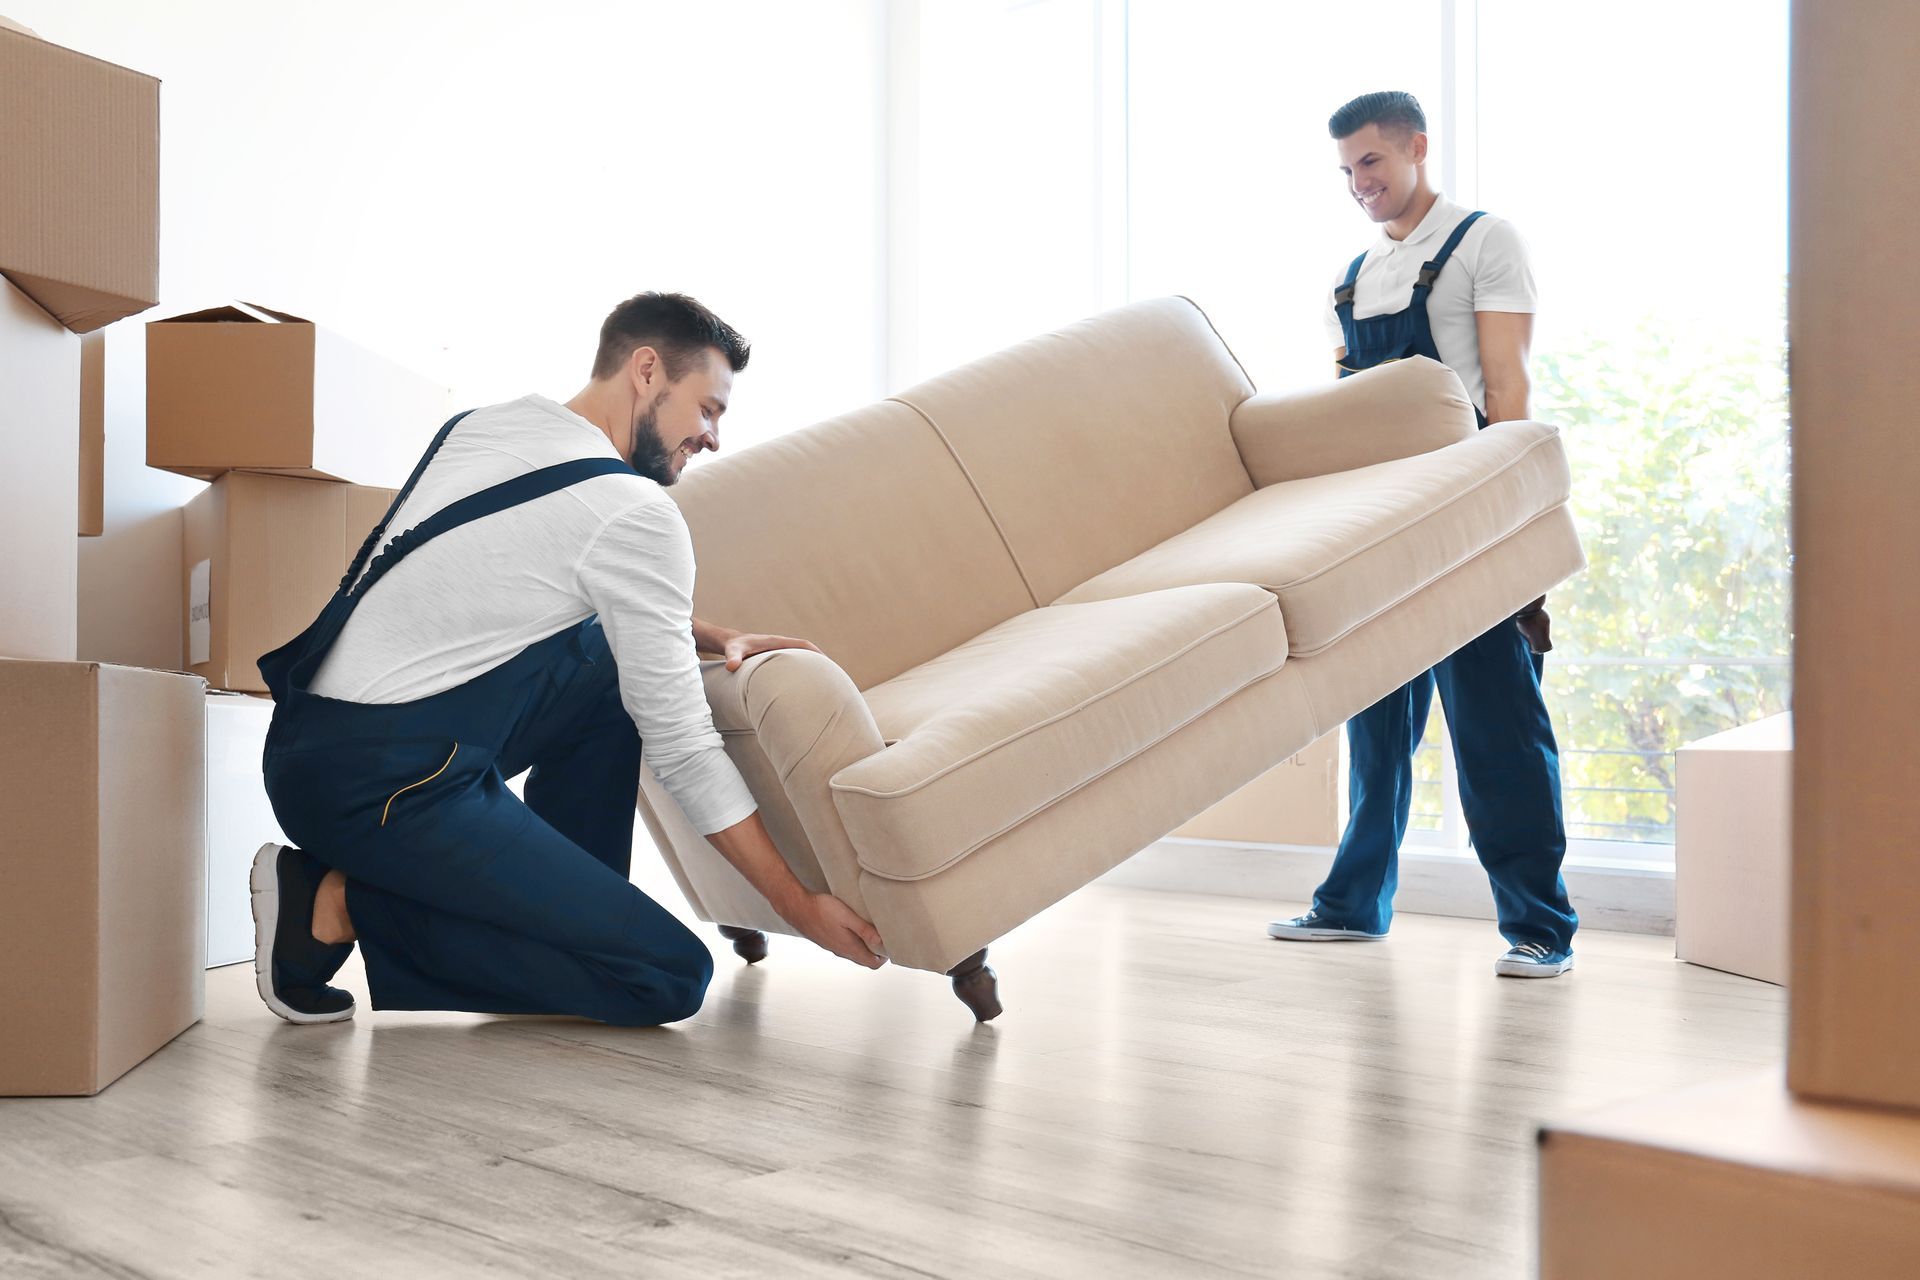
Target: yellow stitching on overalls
423	782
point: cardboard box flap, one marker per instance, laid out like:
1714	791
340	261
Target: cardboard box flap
235	313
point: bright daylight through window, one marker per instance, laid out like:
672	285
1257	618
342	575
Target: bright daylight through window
1648	176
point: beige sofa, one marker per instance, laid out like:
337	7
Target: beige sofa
1072	595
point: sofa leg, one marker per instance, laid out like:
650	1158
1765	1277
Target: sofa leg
749	944
977	986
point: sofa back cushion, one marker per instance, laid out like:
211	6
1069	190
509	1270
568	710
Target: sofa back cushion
1091	444
861	534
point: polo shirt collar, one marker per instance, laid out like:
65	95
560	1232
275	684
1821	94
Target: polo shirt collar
1443	215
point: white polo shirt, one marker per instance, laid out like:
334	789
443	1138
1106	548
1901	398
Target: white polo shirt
1487	272
615	546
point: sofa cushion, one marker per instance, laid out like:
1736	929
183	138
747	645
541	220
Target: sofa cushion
1340	549
983	737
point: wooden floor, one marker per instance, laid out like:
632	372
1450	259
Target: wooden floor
1168	1094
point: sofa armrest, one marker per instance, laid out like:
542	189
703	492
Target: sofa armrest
1393	411
810	722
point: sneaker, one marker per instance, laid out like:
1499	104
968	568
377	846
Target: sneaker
1314	927
1533	960
290	966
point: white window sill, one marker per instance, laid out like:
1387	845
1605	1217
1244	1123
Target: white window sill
1626	890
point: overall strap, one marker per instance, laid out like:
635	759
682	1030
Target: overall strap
1431	270
380	530
508	493
1343	296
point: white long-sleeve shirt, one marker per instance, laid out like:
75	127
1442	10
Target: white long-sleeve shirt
469	600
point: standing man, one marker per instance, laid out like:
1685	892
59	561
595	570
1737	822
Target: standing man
1452	285
536	616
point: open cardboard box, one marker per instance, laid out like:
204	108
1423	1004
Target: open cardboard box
247	388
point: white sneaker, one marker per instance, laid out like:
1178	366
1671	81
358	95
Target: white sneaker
1533	960
1314	927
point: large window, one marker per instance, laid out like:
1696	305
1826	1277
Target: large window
1640	147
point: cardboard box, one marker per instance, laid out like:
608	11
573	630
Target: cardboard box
1732	849
239	819
39	468
244	388
1854	1028
93	435
260	556
103	921
80	206
1297	802
1737	1179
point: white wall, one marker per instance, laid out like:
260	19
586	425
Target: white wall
1007	205
468	187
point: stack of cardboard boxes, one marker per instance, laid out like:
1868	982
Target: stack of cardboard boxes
131	799
101	768
278	414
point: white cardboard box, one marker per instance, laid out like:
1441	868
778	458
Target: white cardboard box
239	820
39	481
1732	841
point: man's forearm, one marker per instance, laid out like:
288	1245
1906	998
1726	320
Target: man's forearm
1508	403
750	849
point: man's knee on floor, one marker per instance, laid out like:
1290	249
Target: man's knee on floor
697	977
677	991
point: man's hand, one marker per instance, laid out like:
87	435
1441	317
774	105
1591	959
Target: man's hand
820	918
830	923
741	646
737	646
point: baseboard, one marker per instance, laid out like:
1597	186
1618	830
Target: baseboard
1618	899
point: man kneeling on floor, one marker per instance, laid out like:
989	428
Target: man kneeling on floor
536	616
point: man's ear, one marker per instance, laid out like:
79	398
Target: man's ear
643	366
1419	148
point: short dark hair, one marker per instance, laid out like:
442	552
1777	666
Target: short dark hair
1392	109
675	325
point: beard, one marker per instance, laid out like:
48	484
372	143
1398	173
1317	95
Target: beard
650	456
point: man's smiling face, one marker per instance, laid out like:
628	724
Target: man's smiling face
682	419
1382	169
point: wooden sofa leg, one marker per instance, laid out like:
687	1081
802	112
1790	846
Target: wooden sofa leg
749	944
977	986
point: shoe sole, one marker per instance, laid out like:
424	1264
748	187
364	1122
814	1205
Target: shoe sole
1289	933
264	884
1507	969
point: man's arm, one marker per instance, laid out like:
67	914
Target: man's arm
820	917
638	576
737	646
1505	338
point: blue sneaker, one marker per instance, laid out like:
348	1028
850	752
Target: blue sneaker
1314	927
1533	960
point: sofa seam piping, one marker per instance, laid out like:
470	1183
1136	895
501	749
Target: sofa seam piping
1383	611
978	494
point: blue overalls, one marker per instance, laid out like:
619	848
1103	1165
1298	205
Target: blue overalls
465	897
1503	743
